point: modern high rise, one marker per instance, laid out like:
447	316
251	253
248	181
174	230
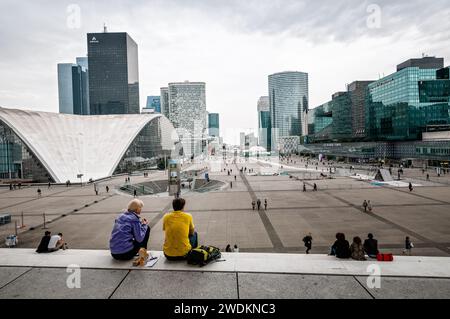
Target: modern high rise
213	124
264	127
288	97
164	101
397	106
187	105
154	102
73	87
113	73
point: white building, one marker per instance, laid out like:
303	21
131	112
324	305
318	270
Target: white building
187	112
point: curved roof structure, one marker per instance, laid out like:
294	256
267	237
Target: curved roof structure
68	145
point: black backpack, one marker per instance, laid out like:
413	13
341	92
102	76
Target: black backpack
203	255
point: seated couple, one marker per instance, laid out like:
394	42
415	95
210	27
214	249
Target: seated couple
131	233
51	243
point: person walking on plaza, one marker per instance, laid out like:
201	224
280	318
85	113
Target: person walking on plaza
304	187
315	187
234	177
228	249
179	230
428	177
231	184
253	204
134	193
235	248
130	232
258	203
39	192
410	187
357	249
107	188
49	184
408	246
308	242
371	246
265	204
365	206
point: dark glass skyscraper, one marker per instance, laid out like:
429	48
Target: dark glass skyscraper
113	73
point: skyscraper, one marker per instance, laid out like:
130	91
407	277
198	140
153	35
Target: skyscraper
213	124
187	105
113	73
264	127
154	102
73	88
288	97
164	101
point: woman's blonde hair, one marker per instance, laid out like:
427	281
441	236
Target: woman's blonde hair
135	204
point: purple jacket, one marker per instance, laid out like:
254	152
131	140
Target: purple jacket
127	228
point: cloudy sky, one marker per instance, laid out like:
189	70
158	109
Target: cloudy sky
232	45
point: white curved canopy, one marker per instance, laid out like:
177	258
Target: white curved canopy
68	145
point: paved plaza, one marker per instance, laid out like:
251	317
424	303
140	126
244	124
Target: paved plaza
226	217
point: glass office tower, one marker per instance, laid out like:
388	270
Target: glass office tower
213	124
264	122
154	102
402	105
288	97
164	101
113	73
73	87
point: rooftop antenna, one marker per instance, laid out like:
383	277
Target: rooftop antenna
105	29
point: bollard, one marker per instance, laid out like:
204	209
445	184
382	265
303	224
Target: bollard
15	227
23	225
45	227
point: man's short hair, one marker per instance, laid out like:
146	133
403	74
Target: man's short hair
178	204
60	234
370	236
47	233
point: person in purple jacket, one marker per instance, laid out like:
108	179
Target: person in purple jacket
130	232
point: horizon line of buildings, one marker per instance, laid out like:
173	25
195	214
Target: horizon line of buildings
403	115
107	82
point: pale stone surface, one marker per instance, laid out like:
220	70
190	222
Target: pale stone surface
51	283
276	286
178	285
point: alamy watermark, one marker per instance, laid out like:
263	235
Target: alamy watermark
374	19
74	279
73	20
374	279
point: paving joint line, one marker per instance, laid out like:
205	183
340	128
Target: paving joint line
120	283
273	235
8	283
393	224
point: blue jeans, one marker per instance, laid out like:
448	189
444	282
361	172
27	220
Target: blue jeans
193	240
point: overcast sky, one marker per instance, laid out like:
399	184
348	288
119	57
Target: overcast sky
231	45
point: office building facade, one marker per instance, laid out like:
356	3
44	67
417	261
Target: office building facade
113	73
164	101
154	102
264	126
187	112
288	98
73	88
213	124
